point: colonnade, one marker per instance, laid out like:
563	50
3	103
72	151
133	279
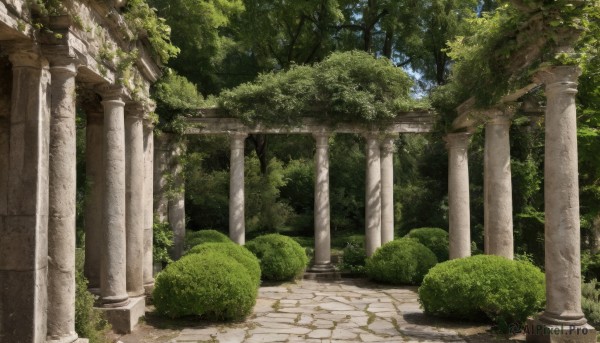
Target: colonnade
379	207
561	199
38	188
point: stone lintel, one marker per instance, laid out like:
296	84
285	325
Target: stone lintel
414	122
124	319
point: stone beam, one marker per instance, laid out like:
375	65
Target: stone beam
413	122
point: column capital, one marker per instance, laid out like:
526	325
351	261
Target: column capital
26	55
61	56
499	116
457	140
321	138
561	79
387	143
135	110
238	139
110	92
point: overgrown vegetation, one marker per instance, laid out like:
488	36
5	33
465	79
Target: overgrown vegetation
435	239
210	285
281	258
162	241
401	262
484	286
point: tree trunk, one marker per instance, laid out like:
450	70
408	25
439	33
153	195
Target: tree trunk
260	146
388	44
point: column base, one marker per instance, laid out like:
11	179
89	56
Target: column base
149	288
73	338
322	268
124	319
538	331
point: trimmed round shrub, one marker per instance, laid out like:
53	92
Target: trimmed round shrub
281	258
399	262
193	238
210	285
474	287
237	252
434	238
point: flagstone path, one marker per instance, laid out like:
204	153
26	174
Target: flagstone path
309	311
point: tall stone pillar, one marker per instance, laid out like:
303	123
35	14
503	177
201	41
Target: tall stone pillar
24	143
498	216
177	200
458	194
373	195
237	220
561	198
148	204
134	213
387	189
322	262
94	203
62	199
162	153
113	287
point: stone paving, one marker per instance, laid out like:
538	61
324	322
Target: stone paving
311	311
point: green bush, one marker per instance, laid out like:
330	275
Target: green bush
472	288
354	257
162	239
403	261
211	285
590	302
194	238
89	322
237	252
434	238
281	258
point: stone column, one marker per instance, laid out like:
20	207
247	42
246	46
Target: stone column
62	199
373	195
387	189
322	262
458	194
561	198
148	204
498	220
134	213
237	225
24	144
177	200
113	287
94	203
161	164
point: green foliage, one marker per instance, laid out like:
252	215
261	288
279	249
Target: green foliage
590	302
265	211
89	322
403	261
195	238
348	86
354	257
435	239
211	285
237	252
476	287
281	258
142	19
162	241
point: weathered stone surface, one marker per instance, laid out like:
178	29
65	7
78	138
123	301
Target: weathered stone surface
387	189
373	195
498	186
148	263
113	281
134	213
123	319
561	198
62	198
322	261
177	201
458	194
237	219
